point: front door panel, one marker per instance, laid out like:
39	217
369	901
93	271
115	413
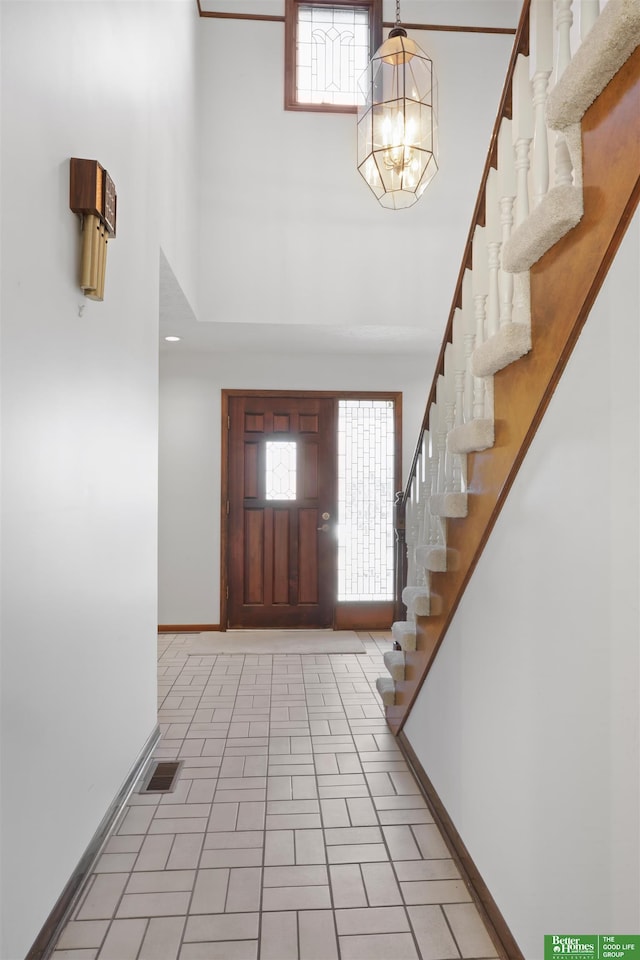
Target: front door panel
282	549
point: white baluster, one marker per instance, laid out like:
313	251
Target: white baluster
541	37
420	574
435	453
460	372
480	288
460	377
540	138
434	525
589	13
469	344
442	436
480	301
424	491
507	191
452	470
438	431
564	20
411	535
451	502
422	533
493	237
459	362
522	131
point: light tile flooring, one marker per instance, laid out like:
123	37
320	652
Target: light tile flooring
295	831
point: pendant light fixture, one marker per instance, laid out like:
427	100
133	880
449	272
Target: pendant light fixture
397	128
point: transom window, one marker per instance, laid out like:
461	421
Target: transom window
328	44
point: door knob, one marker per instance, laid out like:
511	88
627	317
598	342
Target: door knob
323	528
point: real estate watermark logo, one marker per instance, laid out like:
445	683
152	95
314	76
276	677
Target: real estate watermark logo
608	947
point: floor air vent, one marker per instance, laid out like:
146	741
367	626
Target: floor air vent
163	775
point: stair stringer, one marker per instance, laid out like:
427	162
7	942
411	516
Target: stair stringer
564	284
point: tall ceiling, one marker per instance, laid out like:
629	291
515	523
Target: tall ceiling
296	254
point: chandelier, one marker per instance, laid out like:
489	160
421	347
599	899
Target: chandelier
397	129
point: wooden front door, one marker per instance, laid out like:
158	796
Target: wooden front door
281	511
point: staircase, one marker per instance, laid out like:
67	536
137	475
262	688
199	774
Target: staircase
535	259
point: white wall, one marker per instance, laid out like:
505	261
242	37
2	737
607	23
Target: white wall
290	232
115	82
189	491
528	723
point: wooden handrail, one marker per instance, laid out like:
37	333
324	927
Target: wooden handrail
564	285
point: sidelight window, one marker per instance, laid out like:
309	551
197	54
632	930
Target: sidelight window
366	479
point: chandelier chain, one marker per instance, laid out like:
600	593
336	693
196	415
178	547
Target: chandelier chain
397	13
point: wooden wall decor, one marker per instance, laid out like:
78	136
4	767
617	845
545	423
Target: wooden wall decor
92	195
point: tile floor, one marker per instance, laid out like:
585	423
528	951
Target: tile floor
295	830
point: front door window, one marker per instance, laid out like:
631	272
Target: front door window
280	479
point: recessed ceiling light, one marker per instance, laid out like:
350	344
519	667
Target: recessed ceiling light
173	339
